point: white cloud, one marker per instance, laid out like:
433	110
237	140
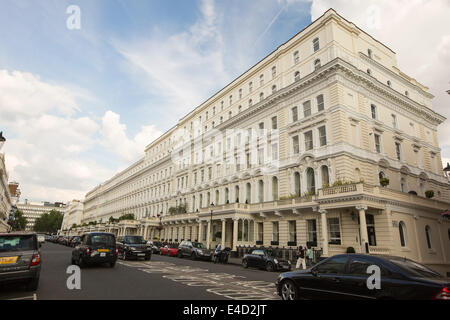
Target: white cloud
115	137
46	143
418	31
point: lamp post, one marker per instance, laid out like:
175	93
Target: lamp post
160	224
211	226
2	140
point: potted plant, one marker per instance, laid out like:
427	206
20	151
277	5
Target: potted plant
384	182
429	194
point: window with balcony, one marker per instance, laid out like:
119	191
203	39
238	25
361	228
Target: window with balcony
275	232
292	227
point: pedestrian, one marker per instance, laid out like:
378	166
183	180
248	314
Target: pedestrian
300	258
309	256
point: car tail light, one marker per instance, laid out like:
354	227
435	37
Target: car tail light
35	260
87	251
117	251
444	294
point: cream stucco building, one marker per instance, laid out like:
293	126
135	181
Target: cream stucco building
73	214
295	151
5	196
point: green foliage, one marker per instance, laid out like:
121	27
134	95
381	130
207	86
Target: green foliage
49	222
429	194
19	222
178	209
384	182
128	216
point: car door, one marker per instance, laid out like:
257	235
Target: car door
354	283
326	280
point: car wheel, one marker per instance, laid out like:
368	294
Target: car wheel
245	263
269	266
33	284
289	291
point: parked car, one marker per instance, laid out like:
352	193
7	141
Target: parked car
96	248
41	238
265	259
345	276
156	245
194	250
20	258
133	247
74	241
169	250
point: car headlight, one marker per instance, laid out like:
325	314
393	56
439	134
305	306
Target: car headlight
132	248
275	260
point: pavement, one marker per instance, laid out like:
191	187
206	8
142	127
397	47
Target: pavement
161	278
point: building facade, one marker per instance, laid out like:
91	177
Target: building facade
5	196
324	142
33	210
73	214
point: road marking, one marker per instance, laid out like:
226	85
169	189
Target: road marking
223	284
23	298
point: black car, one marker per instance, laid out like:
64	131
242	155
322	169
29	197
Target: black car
95	248
265	259
20	259
133	247
194	250
156	245
346	276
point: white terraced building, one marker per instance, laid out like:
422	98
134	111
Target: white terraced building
323	142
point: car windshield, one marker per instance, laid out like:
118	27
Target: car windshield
415	269
17	243
102	239
198	245
134	240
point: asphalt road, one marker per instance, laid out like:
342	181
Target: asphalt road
162	278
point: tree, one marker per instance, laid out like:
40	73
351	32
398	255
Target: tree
49	222
19	222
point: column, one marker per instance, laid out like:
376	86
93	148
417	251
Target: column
208	236
235	232
224	223
363	229
145	232
323	217
200	231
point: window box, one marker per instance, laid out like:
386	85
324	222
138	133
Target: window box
292	243
311	244
259	242
274	243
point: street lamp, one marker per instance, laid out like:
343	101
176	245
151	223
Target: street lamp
159	215
211	226
2	140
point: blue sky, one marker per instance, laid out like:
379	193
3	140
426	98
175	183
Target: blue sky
78	105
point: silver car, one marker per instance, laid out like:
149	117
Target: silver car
20	258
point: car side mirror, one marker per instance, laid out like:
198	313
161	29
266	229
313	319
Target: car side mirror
314	272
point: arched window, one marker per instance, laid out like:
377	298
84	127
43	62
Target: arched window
250	102
236	193
389	83
227	200
357	175
274	188
230	114
260	191
248	193
297	76
239	108
316	45
369	53
325	176
310	181
297	184
428	235
274	72
402	232
261	96
274	89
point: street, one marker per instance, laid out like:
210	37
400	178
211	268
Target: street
162	278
